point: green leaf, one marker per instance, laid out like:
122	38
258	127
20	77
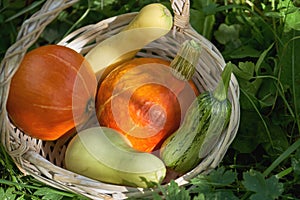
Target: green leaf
202	17
248	97
201	183
222	195
48	194
199	197
252	132
293	21
222	177
2	193
5	3
9	194
267	93
247	138
245	70
253	181
155	196
22	197
263	188
211	185
202	24
174	192
228	34
296	163
291	14
273	14
262	57
243	51
245	73
278	143
289	66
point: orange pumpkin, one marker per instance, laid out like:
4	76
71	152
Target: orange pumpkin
52	91
143	100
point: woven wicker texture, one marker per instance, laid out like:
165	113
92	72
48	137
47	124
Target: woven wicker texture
44	160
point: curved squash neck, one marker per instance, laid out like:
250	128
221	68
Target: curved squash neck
221	91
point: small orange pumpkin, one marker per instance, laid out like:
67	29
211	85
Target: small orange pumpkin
52	91
143	100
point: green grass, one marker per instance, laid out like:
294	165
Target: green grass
262	40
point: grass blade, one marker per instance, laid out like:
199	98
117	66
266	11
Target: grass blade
25	10
282	157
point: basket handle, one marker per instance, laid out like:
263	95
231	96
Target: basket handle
181	9
34	26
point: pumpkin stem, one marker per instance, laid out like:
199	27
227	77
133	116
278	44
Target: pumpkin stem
187	58
221	90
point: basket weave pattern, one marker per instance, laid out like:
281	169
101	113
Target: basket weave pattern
44	160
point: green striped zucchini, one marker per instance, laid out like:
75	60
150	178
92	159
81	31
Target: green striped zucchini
204	122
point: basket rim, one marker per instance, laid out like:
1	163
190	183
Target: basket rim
22	157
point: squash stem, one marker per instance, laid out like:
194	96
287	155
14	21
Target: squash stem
221	91
185	61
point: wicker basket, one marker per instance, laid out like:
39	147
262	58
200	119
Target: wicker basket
44	160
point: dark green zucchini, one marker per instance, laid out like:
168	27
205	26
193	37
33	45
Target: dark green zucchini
204	122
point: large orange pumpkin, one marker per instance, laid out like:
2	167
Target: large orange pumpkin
143	100
52	91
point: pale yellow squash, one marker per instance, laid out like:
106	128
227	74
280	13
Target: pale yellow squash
152	22
103	154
